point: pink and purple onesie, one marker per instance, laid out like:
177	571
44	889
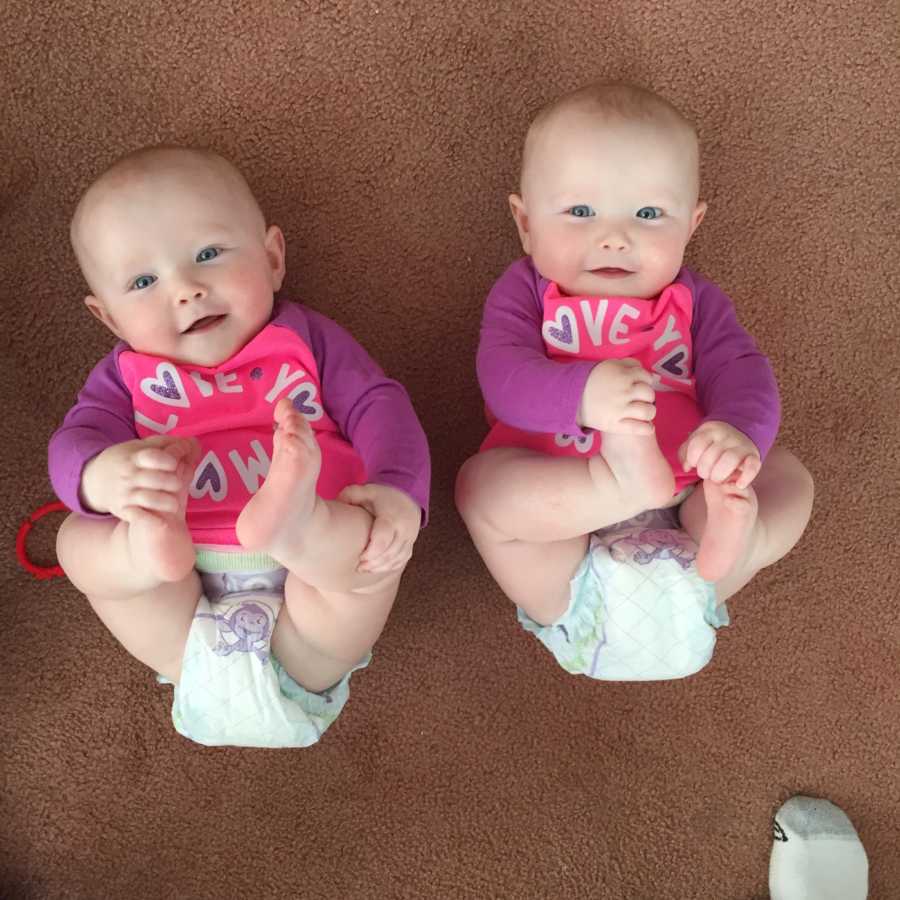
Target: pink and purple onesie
638	610
538	347
363	421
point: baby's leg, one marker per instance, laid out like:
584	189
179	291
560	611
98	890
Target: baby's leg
784	495
140	581
332	614
730	517
530	514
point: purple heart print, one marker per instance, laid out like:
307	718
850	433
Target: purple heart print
169	391
671	365
563	335
210	474
301	407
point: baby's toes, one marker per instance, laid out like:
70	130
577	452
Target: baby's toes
287	437
290	421
287	416
297	439
291	424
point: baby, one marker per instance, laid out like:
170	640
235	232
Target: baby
242	475
616	380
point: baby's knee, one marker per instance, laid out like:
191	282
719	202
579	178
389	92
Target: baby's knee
806	483
806	492
466	490
73	545
795	480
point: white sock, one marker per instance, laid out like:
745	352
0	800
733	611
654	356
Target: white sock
817	854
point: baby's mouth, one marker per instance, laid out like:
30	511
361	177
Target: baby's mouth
612	272
204	324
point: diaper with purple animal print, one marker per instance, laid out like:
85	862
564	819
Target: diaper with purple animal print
233	691
638	610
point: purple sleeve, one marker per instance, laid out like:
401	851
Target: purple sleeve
102	416
373	411
521	385
735	382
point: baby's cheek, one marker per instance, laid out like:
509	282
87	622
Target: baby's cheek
665	257
557	259
244	278
154	330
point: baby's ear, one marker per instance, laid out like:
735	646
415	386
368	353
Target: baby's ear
697	217
98	310
275	251
517	208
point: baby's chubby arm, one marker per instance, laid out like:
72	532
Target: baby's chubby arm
102	417
377	416
735	381
521	385
99	466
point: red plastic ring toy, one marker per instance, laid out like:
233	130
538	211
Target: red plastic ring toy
40	572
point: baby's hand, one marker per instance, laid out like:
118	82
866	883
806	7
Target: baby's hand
618	398
148	474
395	529
720	453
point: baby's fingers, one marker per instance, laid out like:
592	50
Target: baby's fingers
693	449
155	458
708	460
641	390
358	495
395	559
381	537
156	501
749	469
185	472
158	479
164	452
725	466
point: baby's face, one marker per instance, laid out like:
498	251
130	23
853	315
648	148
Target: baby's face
180	262
607	208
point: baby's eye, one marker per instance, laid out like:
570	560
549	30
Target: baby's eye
207	254
142	281
649	212
581	211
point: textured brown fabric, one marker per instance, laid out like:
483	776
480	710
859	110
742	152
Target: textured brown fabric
384	138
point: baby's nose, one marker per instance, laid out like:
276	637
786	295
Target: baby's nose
614	241
191	292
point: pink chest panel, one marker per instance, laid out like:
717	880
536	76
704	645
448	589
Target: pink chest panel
656	333
229	409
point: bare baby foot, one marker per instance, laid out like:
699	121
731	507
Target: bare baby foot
641	471
280	510
730	517
161	544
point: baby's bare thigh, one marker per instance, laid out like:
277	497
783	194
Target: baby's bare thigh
512	493
153	627
151	620
539	581
320	636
